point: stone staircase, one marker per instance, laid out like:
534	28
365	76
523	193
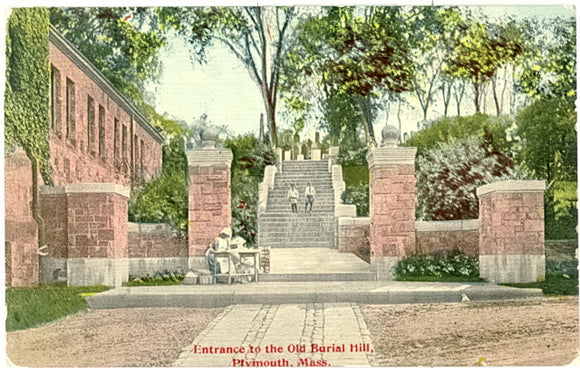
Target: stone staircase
279	227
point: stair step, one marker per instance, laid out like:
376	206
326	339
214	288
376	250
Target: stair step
317	277
287	244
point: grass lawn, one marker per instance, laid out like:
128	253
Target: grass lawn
446	278
31	307
554	284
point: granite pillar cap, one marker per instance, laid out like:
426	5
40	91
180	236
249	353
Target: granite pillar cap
512	186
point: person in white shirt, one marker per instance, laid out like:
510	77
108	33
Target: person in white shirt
293	197
310	193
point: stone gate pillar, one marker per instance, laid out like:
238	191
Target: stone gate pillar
209	196
97	234
392	203
511	237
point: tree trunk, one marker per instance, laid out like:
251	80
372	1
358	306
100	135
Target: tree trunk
271	115
458	94
495	99
476	91
446	97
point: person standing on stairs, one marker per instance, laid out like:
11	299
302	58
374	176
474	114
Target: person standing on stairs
310	193
293	197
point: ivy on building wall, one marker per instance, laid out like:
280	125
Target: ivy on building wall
27	86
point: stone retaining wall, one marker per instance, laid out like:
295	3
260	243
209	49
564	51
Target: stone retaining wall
156	247
436	236
353	233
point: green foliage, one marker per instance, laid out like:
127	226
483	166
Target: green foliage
27	85
548	149
249	161
158	279
436	267
353	155
165	198
475	51
492	129
123	44
355	175
31	307
358	195
554	284
448	176
550	65
548	137
114	41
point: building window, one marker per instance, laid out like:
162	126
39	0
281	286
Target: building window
141	158
101	132
124	144
70	110
135	154
116	140
55	99
90	125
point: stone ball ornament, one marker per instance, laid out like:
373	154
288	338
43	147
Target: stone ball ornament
390	135
208	137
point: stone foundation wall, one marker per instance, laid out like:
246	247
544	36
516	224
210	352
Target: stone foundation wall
353	234
437	236
156	248
21	239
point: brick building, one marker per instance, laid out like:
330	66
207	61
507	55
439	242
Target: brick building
99	143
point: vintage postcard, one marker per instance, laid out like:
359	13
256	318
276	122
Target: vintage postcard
264	185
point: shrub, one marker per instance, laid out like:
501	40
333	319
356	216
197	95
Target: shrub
437	266
358	195
250	159
448	176
165	277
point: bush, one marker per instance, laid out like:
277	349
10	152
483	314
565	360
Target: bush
448	176
358	195
250	159
159	278
164	200
436	267
31	307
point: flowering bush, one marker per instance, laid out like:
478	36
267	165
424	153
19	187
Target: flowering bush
165	277
438	266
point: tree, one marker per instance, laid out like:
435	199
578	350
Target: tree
165	198
250	157
485	127
448	176
550	66
548	137
477	50
258	37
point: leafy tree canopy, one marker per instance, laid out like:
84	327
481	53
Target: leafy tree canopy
548	146
490	129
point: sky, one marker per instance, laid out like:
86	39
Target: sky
223	89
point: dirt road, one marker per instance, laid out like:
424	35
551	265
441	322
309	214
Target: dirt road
536	332
516	333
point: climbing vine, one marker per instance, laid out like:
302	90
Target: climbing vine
27	85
